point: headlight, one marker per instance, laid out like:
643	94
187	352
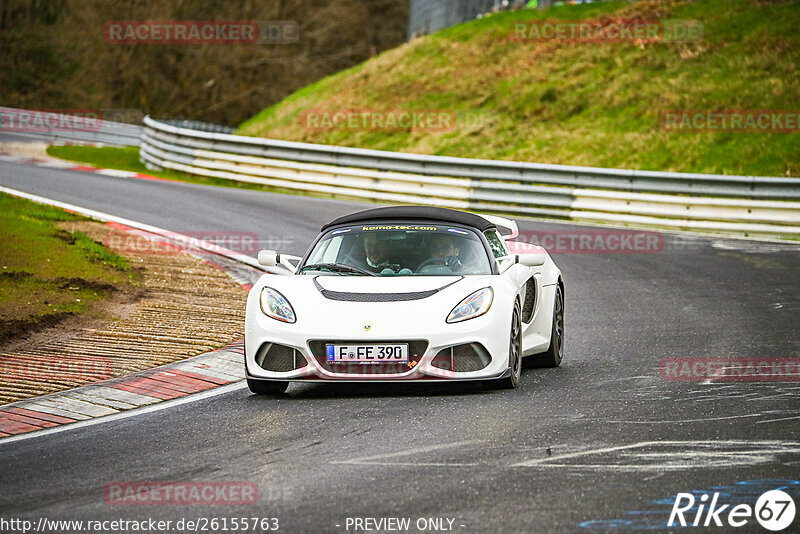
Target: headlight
473	306
276	306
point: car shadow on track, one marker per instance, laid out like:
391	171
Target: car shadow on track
382	389
335	390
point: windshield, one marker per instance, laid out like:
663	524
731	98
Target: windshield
399	250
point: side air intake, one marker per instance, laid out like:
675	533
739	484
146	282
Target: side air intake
279	358
530	301
462	358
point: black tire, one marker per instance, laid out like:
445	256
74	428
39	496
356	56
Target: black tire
555	353
514	354
267	387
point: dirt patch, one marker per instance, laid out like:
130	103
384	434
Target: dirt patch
15	335
181	307
15	275
81	283
12	330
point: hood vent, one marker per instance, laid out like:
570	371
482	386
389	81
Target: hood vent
378	297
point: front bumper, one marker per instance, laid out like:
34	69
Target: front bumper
321	320
423	350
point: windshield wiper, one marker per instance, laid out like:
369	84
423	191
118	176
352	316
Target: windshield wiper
338	267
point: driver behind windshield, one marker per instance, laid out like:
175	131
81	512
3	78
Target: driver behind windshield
377	253
442	252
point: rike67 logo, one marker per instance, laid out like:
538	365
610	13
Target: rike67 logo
774	510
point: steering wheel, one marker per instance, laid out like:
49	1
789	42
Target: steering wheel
350	260
451	262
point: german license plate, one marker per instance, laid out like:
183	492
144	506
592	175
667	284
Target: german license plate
368	353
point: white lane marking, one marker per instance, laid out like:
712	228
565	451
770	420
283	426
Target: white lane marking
412	464
371	460
644	457
675	455
775	420
124	415
758	248
721	418
650	469
117	173
55	164
528	463
780	396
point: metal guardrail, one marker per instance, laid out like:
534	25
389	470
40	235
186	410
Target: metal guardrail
739	204
63	127
200	125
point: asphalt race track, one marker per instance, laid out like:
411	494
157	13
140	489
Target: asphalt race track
600	443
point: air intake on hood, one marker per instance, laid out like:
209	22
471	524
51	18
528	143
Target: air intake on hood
378	297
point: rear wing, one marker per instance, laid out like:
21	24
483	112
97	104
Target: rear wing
503	223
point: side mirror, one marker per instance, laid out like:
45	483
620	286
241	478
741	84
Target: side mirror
534	259
268	258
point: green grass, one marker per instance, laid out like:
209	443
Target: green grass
577	103
47	272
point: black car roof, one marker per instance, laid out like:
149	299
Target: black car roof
414	213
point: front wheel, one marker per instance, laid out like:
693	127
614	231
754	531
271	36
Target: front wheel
267	387
554	354
514	355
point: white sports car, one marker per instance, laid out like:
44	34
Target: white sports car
404	293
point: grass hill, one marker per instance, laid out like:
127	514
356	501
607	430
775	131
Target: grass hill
577	103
